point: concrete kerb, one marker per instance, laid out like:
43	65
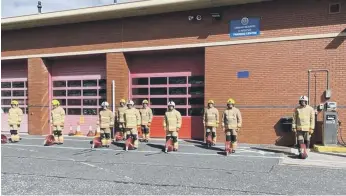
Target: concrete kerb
331	149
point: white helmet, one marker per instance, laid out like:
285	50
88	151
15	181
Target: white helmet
303	98
130	102
171	103
105	104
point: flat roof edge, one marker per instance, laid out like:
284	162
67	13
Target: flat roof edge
113	11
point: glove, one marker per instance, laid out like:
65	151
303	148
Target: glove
294	130
311	131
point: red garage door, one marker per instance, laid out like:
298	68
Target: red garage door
178	77
14	84
80	86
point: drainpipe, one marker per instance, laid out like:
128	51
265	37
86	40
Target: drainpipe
317	70
113	104
309	72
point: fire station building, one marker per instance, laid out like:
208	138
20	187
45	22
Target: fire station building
257	52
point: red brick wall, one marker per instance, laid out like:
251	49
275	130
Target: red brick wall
278	76
38	97
279	18
278	71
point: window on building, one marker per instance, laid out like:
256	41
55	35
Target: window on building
59	84
185	90
14	90
80	97
5	84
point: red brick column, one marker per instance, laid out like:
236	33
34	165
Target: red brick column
117	70
38	115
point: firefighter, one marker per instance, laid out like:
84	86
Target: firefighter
303	123
106	122
57	120
211	120
231	123
172	124
120	117
146	118
132	121
14	119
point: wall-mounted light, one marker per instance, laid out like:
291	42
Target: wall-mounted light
190	18
197	17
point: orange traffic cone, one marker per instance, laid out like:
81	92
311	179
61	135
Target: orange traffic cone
71	133
78	132
90	133
96	142
3	139
98	130
49	140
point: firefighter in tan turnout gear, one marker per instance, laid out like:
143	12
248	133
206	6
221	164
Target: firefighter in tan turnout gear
146	118
211	121
132	122
172	124
14	119
231	123
120	118
106	123
303	125
57	121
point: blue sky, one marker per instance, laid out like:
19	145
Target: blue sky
10	8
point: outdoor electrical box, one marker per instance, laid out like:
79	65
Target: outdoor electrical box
286	123
330	125
328	94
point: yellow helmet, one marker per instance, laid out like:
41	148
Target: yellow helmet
14	102
122	101
211	101
55	102
145	101
230	101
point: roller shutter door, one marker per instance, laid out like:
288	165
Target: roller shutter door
80	86
163	77
14	82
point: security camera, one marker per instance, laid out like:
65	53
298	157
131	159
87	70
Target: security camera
198	17
191	18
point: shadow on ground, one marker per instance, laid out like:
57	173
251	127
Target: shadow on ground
194	141
203	146
157	146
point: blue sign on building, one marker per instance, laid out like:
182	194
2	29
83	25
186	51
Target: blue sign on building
243	74
245	27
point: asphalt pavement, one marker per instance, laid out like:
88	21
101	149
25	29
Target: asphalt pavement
29	168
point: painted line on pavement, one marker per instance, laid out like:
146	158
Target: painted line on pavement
336	165
312	161
91	165
177	153
84	140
